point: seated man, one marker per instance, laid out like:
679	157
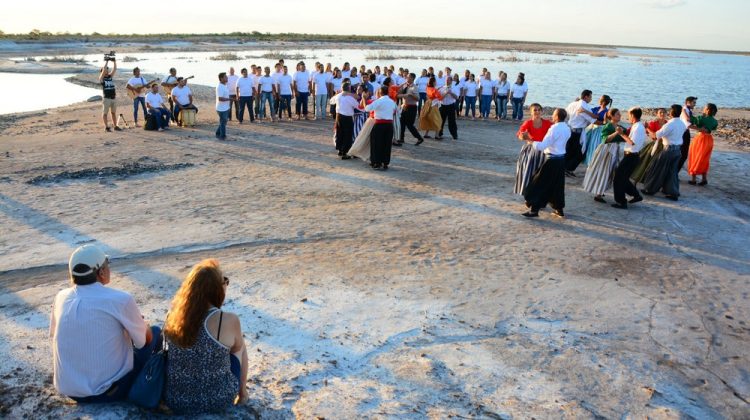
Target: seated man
94	330
182	97
157	108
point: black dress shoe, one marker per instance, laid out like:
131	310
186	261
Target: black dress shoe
420	141
345	157
672	197
703	183
385	167
397	144
558	213
620	206
530	214
692	182
635	199
646	192
600	199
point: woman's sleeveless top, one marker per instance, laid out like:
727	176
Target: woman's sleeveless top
199	378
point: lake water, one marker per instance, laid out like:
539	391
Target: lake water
32	92
643	77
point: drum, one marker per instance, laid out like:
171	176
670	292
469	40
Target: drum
187	116
151	123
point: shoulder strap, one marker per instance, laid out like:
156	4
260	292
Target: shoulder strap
218	334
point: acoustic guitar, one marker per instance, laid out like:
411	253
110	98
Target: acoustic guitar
134	92
169	86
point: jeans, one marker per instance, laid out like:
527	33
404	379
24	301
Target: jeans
485	103
517	108
121	387
422	99
162	116
265	97
320	106
221	130
139	100
501	106
245	102
301	103
285	102
471	103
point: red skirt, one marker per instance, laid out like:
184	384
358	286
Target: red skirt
699	156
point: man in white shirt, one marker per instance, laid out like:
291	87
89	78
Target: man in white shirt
245	92
267	95
320	86
100	341
232	86
182	97
157	108
302	86
410	97
579	117
686	117
439	80
381	136
635	140
662	173
548	185
285	83
448	109
169	83
137	85
346	103
223	107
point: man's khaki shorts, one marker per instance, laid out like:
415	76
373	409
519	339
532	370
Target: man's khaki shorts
108	105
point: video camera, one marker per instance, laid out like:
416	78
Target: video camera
109	56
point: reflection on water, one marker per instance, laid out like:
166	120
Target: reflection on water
31	92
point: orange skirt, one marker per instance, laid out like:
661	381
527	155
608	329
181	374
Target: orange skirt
699	156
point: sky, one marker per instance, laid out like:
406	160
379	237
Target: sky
691	24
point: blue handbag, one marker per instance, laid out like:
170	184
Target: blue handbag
148	387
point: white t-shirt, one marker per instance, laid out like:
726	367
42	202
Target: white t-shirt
182	94
422	84
486	86
336	82
502	87
256	80
439	82
320	81
384	108
447	100
154	99
456	89
517	91
638	135
375	86
222	91
355	80
285	84
266	84
302	78
245	84
471	88
137	82
93	329
232	83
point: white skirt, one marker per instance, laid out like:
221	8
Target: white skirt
361	146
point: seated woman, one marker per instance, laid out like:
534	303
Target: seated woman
207	360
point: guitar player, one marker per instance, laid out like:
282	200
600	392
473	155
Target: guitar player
137	85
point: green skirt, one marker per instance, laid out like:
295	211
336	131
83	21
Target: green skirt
645	160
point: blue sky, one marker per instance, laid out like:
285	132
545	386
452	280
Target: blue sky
698	24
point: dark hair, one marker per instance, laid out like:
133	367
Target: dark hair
675	111
90	278
561	114
607	100
244	70
412	75
637	113
372	77
387	81
611	113
384	90
585	93
712	110
346	85
222	75
136	68
431	82
535	105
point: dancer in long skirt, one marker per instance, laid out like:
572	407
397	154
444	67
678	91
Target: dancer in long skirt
635	139
429	118
645	157
702	145
601	172
346	104
381	137
530	159
662	173
593	133
548	184
361	146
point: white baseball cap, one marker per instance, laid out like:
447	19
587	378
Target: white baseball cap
90	256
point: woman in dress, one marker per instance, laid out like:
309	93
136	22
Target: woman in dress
594	131
601	172
530	159
429	119
645	155
362	127
702	145
207	359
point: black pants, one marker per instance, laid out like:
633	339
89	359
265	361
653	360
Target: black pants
573	152
684	149
547	185
408	118
344	133
381	142
448	112
245	102
233	103
171	109
622	184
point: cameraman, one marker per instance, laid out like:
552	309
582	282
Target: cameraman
108	93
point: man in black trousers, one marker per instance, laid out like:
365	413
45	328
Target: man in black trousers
448	108
409	111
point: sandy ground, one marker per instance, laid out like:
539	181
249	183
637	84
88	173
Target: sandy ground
414	293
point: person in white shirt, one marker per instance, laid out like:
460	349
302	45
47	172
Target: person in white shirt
137	85
421	83
182	97
222	106
448	109
346	103
99	339
502	88
278	72
410	97
285	83
245	92
302	88
336	83
232	86
256	74
470	96
579	117
661	175
169	83
381	137
518	93
686	117
320	87
548	185
486	90
267	94
157	108
440	80
635	140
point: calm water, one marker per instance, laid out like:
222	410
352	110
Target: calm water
31	92
633	77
